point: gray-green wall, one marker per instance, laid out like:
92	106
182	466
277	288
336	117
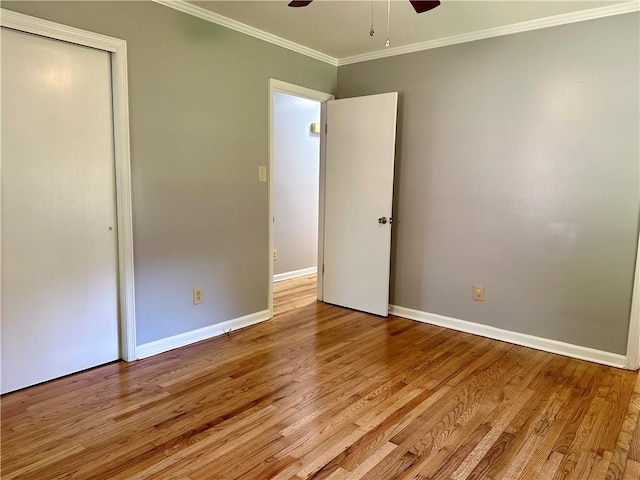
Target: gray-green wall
517	169
198	111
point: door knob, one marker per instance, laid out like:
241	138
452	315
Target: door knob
382	220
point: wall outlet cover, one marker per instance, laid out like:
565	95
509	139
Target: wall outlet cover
478	293
198	295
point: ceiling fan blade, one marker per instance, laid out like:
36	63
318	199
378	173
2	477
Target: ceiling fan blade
301	3
420	6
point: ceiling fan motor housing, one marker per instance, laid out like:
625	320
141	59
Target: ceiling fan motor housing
418	5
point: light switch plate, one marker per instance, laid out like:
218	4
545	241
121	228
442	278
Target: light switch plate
262	173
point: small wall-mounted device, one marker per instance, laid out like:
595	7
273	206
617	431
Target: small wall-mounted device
478	293
262	173
197	295
315	127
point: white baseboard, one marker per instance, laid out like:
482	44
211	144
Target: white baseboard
539	343
187	338
294	274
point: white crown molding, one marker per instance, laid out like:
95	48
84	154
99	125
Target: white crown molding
556	20
539	343
183	339
203	13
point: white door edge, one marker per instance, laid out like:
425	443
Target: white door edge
310	94
118	50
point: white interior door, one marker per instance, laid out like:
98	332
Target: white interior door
360	147
59	266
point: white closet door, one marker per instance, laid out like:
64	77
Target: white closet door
59	265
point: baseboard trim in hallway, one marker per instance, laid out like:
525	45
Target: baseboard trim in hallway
279	277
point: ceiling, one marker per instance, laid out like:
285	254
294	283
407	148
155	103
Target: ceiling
340	29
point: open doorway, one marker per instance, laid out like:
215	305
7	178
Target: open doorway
295	184
295	177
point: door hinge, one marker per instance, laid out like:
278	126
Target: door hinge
326	128
323	268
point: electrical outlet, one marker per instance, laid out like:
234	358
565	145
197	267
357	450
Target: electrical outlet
478	293
197	295
275	254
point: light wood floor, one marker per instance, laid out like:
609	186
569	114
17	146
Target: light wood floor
327	393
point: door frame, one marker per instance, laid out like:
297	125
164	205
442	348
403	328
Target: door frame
119	84
310	94
633	343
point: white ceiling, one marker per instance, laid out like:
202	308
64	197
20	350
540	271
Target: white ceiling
340	29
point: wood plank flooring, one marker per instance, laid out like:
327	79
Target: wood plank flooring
321	392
